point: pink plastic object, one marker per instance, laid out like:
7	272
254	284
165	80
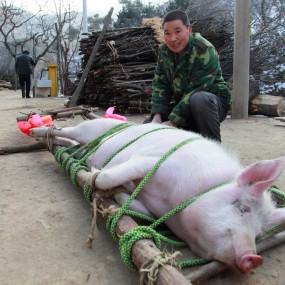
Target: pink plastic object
33	122
110	114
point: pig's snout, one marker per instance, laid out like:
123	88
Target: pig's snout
249	262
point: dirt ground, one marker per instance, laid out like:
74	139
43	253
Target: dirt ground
45	220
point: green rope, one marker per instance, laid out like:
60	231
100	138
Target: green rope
79	166
192	262
143	232
132	141
87	191
278	194
127	241
272	230
66	164
139	215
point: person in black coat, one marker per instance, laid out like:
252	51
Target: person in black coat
24	69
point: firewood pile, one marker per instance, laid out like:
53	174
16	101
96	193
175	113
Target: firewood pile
5	85
122	71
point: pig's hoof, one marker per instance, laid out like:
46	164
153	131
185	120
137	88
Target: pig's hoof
90	177
38	132
250	262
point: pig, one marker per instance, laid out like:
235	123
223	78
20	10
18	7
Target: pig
220	225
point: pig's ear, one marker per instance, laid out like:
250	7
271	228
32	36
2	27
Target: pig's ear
260	175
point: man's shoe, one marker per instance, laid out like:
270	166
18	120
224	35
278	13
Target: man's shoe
28	96
23	95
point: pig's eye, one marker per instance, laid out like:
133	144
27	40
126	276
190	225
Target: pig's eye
243	209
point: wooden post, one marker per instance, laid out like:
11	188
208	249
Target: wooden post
84	75
241	60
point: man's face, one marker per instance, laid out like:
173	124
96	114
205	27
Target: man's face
176	35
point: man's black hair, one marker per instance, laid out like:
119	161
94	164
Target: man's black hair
26	52
176	15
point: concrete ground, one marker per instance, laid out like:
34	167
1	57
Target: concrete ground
45	220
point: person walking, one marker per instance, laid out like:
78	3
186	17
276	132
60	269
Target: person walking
189	91
24	69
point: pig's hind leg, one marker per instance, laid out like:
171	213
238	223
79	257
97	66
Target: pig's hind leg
135	205
44	134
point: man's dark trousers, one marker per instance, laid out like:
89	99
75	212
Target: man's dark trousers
25	84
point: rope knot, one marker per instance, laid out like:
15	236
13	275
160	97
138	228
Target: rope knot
149	270
107	212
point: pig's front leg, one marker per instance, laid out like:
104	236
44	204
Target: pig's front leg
133	169
276	217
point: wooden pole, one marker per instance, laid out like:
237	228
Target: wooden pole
67	113
22	148
84	75
241	60
58	59
84	17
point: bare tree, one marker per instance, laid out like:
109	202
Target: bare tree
268	41
67	42
21	30
10	27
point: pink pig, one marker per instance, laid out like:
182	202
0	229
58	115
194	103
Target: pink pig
223	223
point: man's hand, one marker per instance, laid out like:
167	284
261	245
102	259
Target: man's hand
169	123
157	119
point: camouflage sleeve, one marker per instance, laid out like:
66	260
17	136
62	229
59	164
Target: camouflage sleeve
207	67
160	91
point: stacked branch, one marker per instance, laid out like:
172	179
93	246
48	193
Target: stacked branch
122	71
